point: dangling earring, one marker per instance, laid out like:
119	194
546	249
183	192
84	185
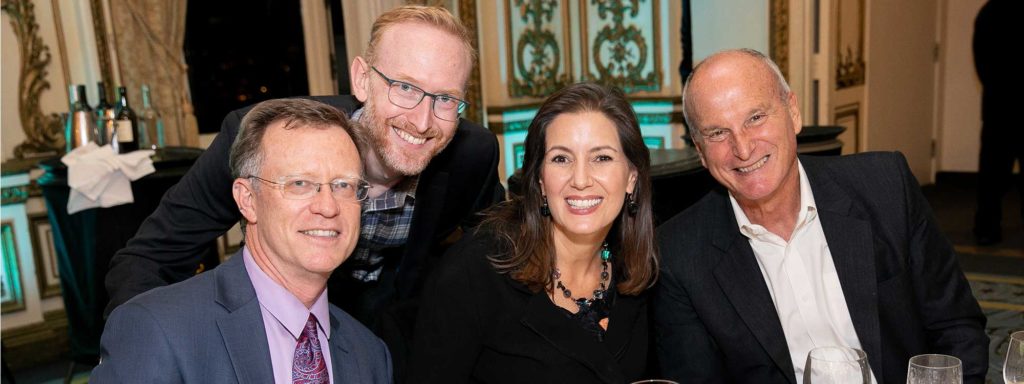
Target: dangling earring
544	209
631	205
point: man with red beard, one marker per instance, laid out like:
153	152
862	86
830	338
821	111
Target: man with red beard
429	173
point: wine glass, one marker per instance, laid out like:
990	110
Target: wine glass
934	369
1013	368
837	365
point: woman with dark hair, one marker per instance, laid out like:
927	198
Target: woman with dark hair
551	286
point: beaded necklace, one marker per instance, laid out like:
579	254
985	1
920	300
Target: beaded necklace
599	293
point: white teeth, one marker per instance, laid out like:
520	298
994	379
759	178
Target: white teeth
583	204
755	166
321	233
410	138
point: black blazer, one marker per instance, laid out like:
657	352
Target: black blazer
716	322
476	325
458	182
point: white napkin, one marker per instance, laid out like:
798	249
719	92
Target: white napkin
98	177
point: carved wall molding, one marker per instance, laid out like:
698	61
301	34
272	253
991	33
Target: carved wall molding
11	287
37	343
474	92
850	69
850	66
779	35
536	59
622	54
14	195
44	134
99	27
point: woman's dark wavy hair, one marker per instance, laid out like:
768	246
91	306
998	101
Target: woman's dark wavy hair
528	255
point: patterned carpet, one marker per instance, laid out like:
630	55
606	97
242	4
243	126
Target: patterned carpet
1002	301
996	273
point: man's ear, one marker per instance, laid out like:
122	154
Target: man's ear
359	76
700	153
245	198
794	113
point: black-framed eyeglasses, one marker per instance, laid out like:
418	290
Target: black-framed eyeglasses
295	188
408	96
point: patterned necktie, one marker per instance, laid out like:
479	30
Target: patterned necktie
309	366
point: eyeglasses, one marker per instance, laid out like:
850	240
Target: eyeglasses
350	189
408	96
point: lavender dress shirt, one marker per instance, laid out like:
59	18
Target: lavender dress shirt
284	316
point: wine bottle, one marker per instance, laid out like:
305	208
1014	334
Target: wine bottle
105	115
69	126
149	124
80	128
124	124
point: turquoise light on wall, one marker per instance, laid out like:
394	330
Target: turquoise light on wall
14	238
655	118
10	280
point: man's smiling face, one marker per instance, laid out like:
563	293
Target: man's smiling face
748	127
404	140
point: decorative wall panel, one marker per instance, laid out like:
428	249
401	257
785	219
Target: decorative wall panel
467	14
44	134
850	66
654	116
45	256
849	116
779	37
538	57
14	195
13	299
622	40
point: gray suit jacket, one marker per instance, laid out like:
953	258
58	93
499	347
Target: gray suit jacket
209	329
715	319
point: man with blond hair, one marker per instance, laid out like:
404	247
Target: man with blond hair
429	173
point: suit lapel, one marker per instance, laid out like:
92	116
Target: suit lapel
344	368
242	328
430	199
570	339
850	241
621	322
740	278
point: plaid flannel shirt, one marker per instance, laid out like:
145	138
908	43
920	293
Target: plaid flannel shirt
384	224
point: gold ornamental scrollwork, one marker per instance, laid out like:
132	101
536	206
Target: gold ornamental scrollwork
44	134
779	37
850	69
539	75
467	14
626	47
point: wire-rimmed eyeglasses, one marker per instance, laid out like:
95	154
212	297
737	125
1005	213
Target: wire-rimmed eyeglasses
408	96
352	189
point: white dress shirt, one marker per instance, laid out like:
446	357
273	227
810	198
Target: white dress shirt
802	280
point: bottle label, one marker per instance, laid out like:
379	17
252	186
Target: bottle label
125	131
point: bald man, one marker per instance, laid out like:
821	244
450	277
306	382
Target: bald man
794	253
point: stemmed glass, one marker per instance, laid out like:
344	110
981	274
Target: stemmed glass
837	365
1013	368
934	369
